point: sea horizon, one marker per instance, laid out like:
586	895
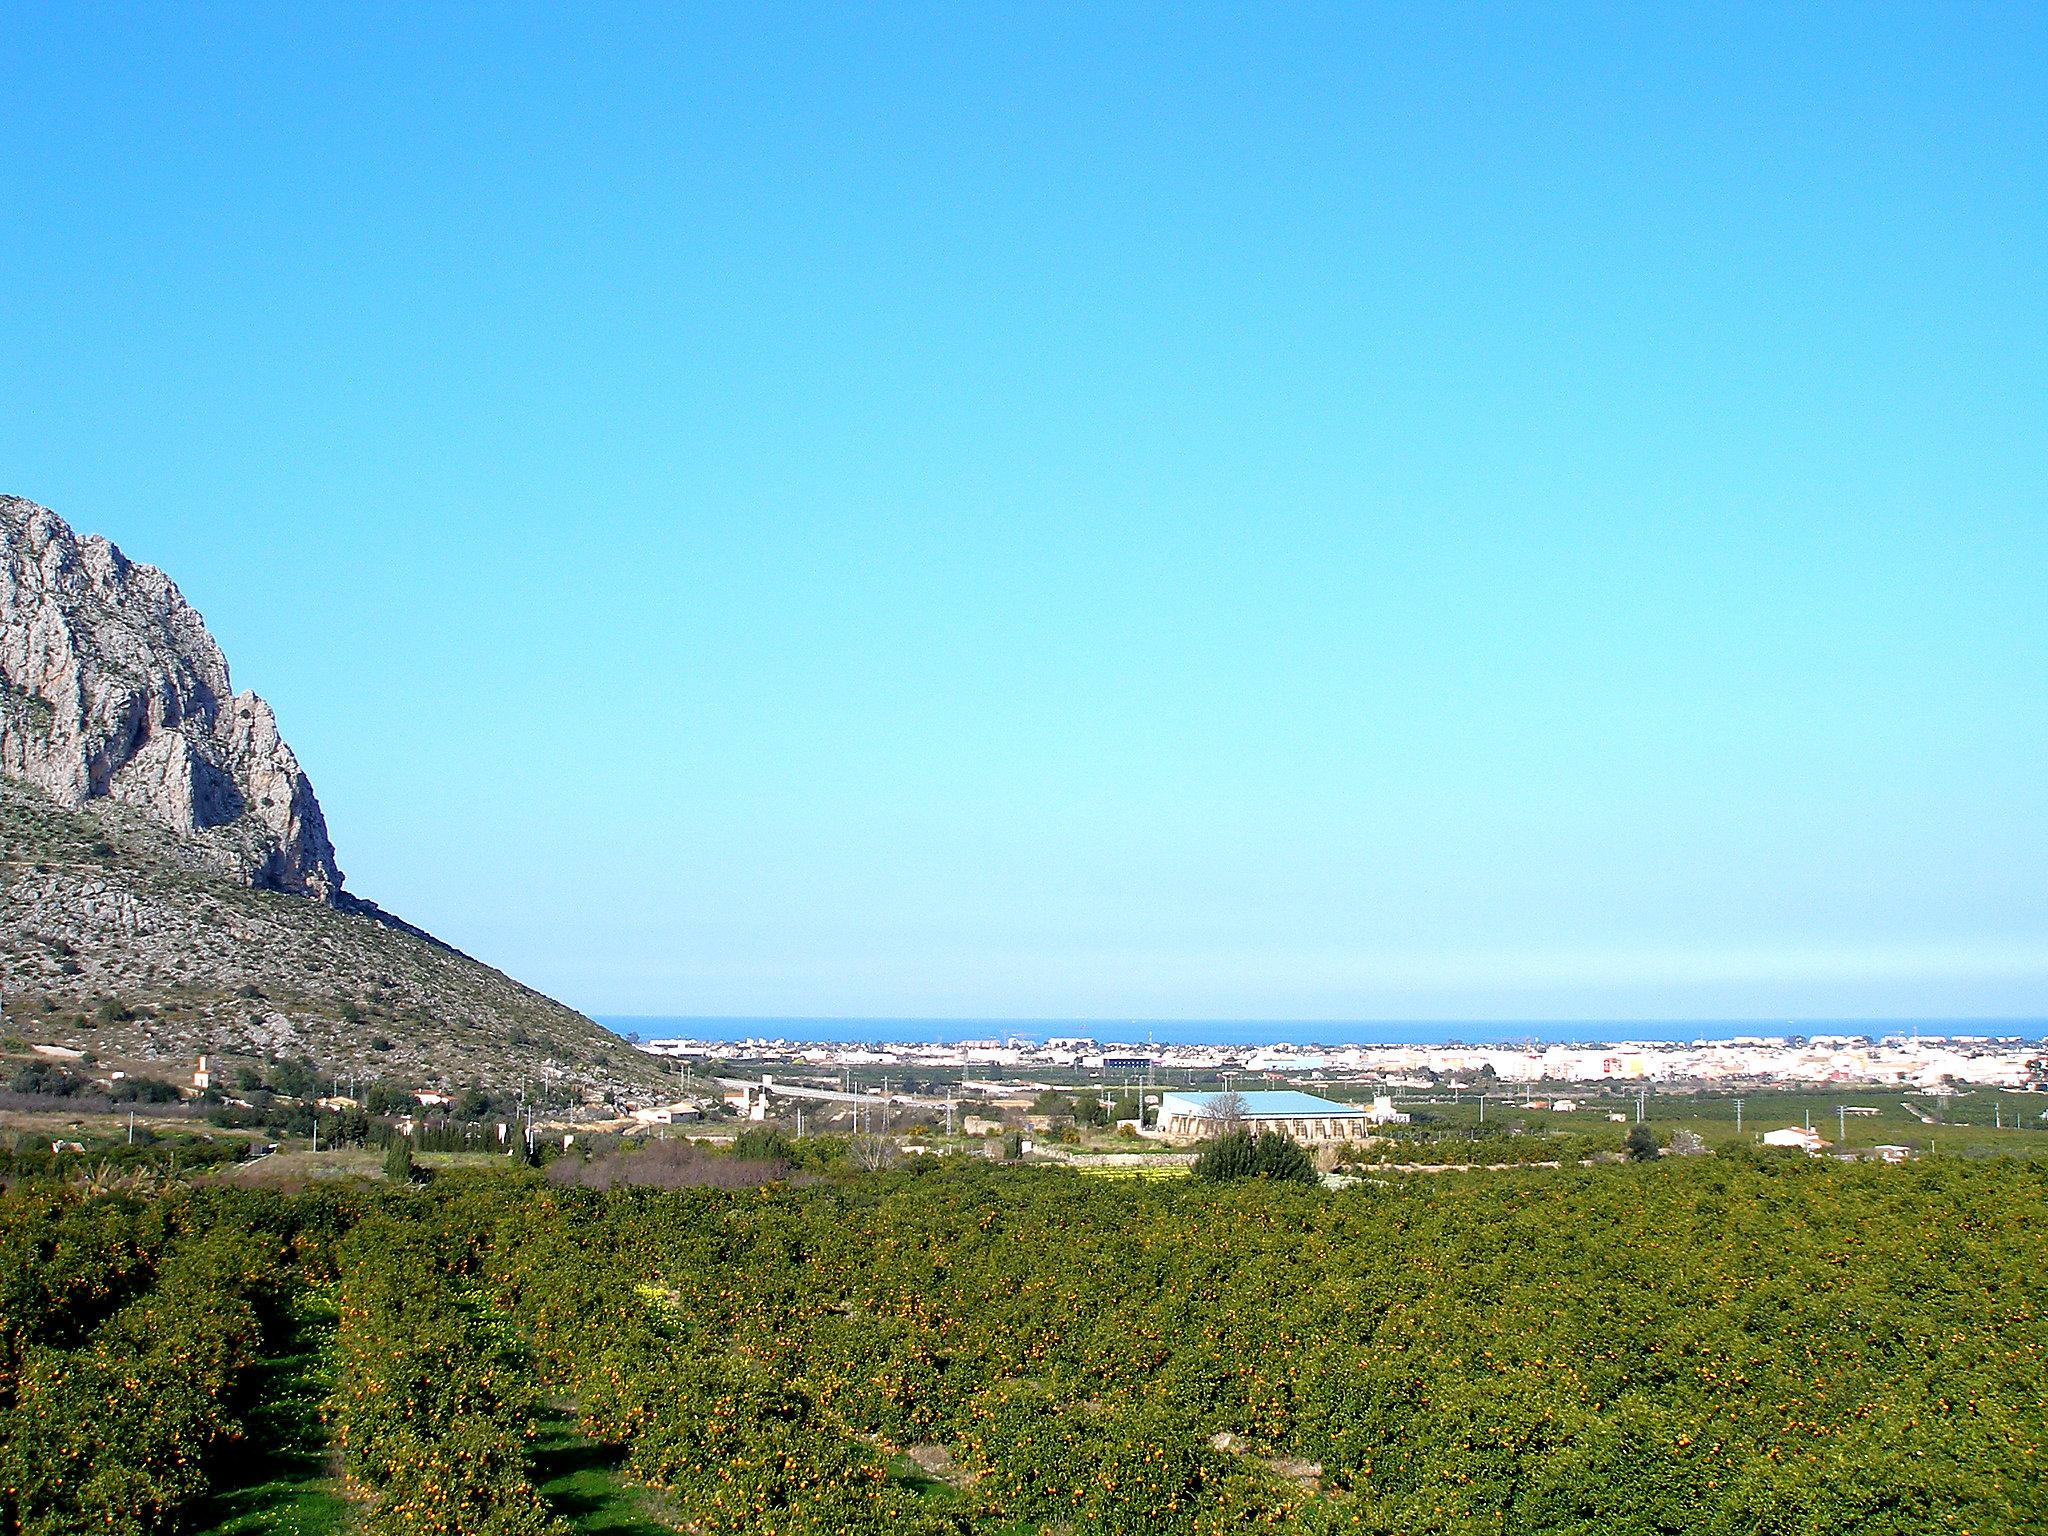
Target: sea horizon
1294	1032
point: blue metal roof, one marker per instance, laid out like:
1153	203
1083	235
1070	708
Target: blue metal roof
1277	1104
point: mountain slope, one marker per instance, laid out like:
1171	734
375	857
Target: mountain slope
167	885
103	913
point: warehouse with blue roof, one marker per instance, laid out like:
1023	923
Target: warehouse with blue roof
1305	1117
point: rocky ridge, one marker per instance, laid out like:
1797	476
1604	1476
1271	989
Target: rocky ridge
111	687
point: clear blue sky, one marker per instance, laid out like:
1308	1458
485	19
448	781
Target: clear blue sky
1311	511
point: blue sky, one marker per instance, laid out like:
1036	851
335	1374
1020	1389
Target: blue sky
1321	512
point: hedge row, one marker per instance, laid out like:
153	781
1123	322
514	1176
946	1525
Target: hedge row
126	1349
433	1409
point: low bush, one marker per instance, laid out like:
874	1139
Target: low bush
1266	1155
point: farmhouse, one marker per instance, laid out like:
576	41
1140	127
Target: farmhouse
1308	1119
668	1114
1806	1138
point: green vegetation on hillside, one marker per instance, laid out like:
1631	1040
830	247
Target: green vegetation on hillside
1721	1345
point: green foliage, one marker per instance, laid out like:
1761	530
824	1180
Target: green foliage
347	1127
1266	1155
432	1406
386	1098
144	1090
398	1161
763	1143
1488	1146
1089	1108
1696	1345
1130	1467
128	1333
1641	1144
163	1152
47	1077
295	1079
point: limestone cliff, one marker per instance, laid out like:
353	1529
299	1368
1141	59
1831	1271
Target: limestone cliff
158	841
110	686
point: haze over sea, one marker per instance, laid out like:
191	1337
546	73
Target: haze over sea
852	1031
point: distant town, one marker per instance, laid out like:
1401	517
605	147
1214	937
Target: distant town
1928	1063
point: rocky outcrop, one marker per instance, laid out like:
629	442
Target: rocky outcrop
111	687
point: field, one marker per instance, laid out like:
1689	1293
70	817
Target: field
1736	1343
1973	1123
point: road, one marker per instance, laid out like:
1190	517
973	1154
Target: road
832	1095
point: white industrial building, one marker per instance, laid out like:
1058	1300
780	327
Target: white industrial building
1307	1118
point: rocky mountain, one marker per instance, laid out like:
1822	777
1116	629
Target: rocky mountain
111	686
167	884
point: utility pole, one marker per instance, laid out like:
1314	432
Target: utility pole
1842	1125
1738	1117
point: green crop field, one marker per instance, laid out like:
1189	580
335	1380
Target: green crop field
1968	1123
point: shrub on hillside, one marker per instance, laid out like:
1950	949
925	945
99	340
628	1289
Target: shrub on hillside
46	1077
143	1090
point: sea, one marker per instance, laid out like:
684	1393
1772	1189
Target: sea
1301	1032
